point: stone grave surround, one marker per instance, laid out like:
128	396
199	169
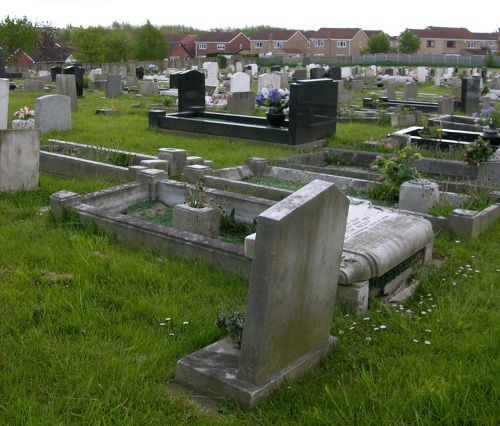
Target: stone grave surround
285	277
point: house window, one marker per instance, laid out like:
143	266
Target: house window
341	43
451	44
202	46
471	44
278	44
186	57
257	44
319	43
221	46
431	43
492	43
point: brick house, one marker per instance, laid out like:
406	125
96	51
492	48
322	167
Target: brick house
181	46
338	42
280	42
224	43
458	41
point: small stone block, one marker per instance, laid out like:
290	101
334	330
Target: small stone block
250	245
194	160
354	295
202	221
155	164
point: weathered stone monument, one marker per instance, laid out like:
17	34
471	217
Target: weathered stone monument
4	102
470	95
240	99
113	85
66	85
290	302
53	112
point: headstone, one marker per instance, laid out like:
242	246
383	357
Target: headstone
446	105
422	74
19	159
241	103
33	85
315	73
191	90
239	67
4	102
78	72
113	85
357	86
53	112
410	91
2	65
275	68
470	95
212	78
290	301
54	71
438	75
66	86
268	81
335	73
390	91
139	72
149	88
122	71
346	72
240	82
300	74
173	80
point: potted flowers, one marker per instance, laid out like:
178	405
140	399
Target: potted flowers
489	119
25	120
276	100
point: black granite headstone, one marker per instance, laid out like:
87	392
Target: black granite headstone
78	72
470	95
389	71
275	68
173	80
139	72
335	73
315	73
54	71
2	66
191	86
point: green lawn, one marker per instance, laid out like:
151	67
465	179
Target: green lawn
91	331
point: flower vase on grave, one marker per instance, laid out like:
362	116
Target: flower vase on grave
23	124
275	117
490	133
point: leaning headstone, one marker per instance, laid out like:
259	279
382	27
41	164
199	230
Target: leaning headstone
113	85
290	301
240	82
53	112
4	102
410	90
470	95
33	85
19	159
66	85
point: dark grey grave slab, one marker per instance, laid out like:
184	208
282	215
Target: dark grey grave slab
191	90
470	95
315	73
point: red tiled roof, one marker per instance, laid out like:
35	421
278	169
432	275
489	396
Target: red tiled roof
336	33
274	34
444	33
218	37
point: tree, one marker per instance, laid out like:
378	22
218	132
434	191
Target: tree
49	36
17	35
378	43
151	43
88	44
408	42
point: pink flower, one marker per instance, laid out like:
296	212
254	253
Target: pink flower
380	179
388	146
374	168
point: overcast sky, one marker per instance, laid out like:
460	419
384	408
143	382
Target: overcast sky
393	17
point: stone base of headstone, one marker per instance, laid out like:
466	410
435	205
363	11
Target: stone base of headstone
202	221
213	371
354	295
155	164
418	195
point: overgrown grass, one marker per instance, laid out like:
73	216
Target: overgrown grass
91	331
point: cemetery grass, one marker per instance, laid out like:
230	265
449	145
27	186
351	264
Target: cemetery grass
85	339
91	332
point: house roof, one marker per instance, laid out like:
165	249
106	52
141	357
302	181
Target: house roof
444	33
487	36
274	34
219	36
336	33
370	33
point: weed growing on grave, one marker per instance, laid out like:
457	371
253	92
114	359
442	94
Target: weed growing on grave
196	197
477	152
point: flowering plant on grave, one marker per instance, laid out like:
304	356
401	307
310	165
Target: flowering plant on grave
477	152
25	113
485	90
489	118
274	98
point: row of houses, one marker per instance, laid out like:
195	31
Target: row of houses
328	42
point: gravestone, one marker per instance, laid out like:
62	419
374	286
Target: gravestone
290	301
53	112
470	95
357	86
335	73
2	65
19	159
410	91
78	72
239	66
212	78
66	85
4	102
268	81
446	105
149	88
33	85
191	90
315	73
113	85
139	72
275	68
122	71
390	91
300	74
240	82
241	103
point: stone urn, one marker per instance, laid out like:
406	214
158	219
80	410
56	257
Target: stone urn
23	124
275	117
